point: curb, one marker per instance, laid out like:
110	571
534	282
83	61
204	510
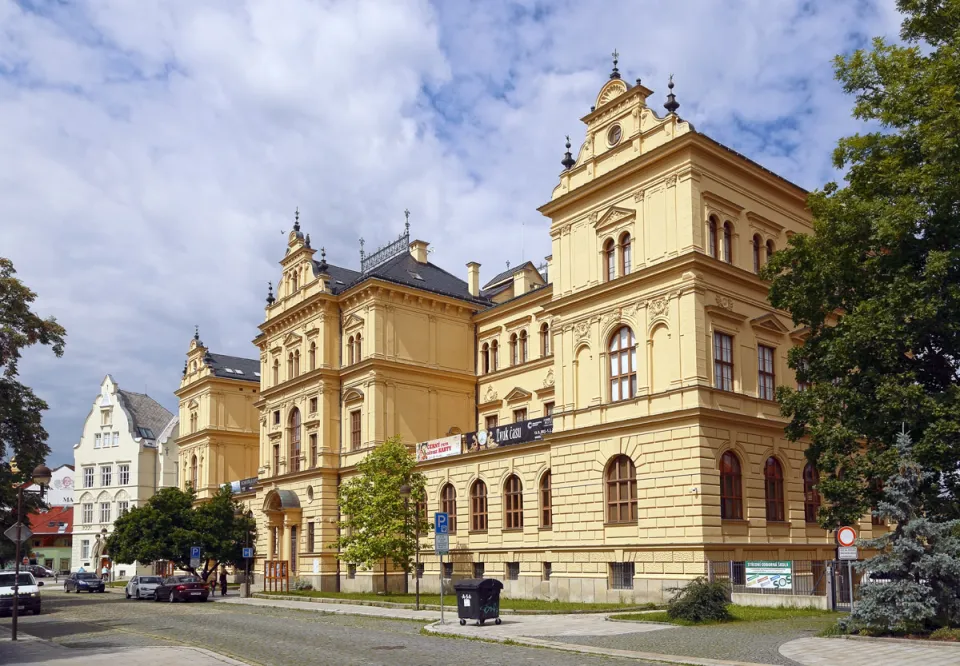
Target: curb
436	607
605	652
916	642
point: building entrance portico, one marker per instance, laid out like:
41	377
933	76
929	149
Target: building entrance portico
282	516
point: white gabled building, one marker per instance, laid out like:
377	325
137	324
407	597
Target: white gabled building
126	453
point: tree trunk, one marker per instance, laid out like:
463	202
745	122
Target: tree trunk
384	575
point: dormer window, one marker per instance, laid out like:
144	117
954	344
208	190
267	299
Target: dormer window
614	134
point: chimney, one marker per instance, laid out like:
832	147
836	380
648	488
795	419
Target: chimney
521	282
418	249
473	278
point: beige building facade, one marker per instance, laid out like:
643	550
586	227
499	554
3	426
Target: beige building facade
598	428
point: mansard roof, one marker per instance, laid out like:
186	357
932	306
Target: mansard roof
233	367
145	413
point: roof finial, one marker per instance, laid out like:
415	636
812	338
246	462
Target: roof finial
406	214
508	264
361	251
296	219
615	74
270	298
184	367
322	266
568	160
672	104
323	254
196	332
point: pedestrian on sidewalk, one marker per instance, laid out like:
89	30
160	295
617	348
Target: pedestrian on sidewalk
223	581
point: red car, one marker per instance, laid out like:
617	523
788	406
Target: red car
182	588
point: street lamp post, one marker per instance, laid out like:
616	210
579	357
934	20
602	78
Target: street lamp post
405	491
41	476
246	560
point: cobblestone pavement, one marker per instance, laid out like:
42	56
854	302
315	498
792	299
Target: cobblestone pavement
855	652
268	636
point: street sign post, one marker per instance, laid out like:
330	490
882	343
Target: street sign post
24	532
195	556
247	553
441	521
848	553
846	537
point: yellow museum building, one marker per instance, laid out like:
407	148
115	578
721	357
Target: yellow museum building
597	429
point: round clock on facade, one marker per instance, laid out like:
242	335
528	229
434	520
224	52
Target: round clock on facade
614	134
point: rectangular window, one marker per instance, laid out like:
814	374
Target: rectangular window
491	422
116	439
722	361
621	575
513	571
105	417
478	569
276	417
88	477
548	409
87	514
351	571
106	475
448	570
547	570
355	430
519	415
313	450
124	472
313	405
767	377
276	459
802	385
310	537
104	512
122	508
84	549
96	441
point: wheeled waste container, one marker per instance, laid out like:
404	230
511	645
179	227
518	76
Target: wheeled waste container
478	599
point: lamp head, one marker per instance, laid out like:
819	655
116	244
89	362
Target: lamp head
405	490
42	475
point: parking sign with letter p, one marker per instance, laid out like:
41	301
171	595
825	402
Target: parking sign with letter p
442	522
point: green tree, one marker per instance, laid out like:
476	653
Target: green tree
377	524
168	525
877	284
22	436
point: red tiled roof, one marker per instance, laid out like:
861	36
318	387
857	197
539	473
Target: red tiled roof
40	523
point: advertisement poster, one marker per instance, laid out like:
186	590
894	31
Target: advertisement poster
439	448
531	430
769	575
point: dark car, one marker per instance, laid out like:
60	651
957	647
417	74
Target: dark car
83	582
181	588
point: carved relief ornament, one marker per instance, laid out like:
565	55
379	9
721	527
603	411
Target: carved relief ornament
659	307
490	395
725	302
581	330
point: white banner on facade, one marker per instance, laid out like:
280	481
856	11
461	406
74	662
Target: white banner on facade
439	448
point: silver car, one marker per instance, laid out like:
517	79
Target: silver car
142	587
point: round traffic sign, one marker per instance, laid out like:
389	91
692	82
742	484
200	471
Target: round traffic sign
846	536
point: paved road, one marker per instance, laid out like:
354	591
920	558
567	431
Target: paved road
267	636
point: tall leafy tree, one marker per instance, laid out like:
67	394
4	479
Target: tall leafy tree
22	436
378	524
877	285
168	525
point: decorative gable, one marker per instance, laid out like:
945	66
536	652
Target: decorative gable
518	395
292	340
353	322
614	215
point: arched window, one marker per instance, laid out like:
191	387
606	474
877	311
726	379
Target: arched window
194	472
773	489
513	503
295	280
712	245
731	487
546	501
294	440
523	347
448	505
514	349
296	363
621	490
623	364
770	249
494	356
350	351
728	242
544	339
485	358
478	506
811	496
276	371
625	254
359	348
193	422
290	365
312	356
757	244
610	257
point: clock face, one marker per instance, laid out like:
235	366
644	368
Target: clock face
614	134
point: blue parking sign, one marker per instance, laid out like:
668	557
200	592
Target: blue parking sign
247	553
195	552
442	522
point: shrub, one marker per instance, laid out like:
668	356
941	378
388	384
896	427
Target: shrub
700	601
301	585
946	634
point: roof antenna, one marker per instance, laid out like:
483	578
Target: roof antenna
406	214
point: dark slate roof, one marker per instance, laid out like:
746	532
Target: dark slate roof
340	277
227	367
508	274
145	412
493	291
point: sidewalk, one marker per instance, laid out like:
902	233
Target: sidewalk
860	652
31	650
319	606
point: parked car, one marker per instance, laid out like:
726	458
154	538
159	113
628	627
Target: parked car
39	571
181	588
83	581
28	592
143	587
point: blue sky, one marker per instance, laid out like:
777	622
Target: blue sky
154	150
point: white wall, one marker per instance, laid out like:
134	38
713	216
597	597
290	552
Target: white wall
60	490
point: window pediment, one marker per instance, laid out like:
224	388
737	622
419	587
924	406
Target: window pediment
614	215
518	395
769	322
763	224
353	395
353	322
724	207
292	340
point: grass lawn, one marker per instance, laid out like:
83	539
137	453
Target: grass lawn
740	614
451	600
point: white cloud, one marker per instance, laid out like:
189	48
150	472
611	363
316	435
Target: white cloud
154	151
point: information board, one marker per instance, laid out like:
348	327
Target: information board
771	575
